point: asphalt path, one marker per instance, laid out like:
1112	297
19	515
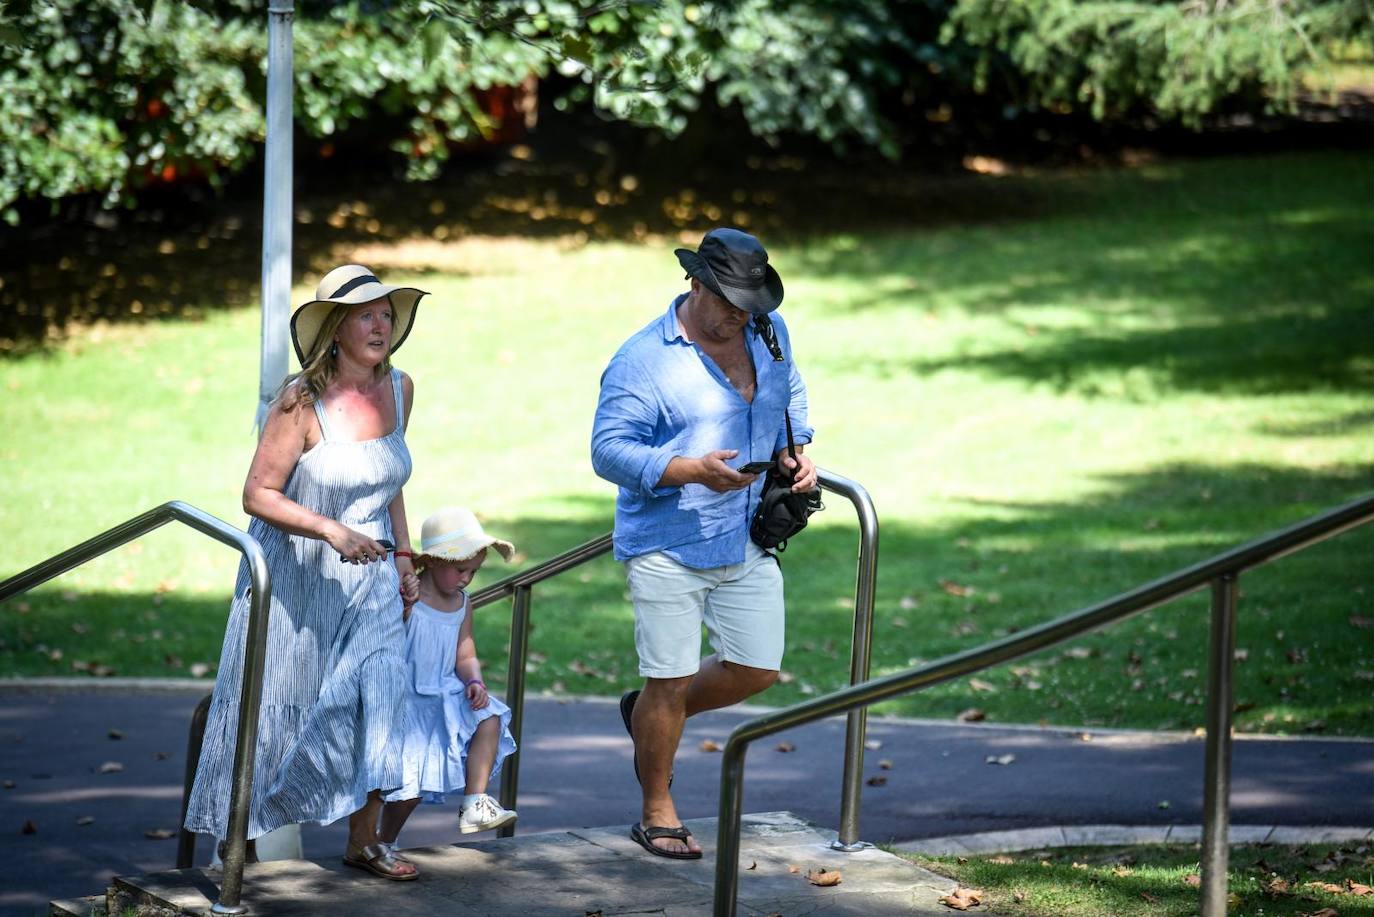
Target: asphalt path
88	776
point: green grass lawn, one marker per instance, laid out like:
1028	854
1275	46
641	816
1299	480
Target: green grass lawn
1055	387
1160	880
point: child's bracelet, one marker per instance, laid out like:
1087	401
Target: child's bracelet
410	554
478	681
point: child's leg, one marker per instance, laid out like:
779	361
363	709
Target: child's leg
482	754
394	815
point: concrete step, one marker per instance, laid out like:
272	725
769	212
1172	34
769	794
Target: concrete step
583	871
90	906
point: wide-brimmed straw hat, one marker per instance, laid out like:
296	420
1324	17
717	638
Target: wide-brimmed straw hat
352	285
734	265
453	533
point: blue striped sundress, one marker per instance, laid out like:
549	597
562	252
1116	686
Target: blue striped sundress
334	679
439	721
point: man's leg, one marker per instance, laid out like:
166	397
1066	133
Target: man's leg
745	617
658	717
669	598
722	683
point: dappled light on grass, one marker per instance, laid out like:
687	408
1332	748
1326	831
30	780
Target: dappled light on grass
1159	880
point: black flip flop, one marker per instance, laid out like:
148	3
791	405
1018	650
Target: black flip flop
627	710
645	838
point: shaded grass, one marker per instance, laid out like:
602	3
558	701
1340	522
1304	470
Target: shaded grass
1053	400
1155	880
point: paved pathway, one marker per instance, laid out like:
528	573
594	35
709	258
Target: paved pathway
576	773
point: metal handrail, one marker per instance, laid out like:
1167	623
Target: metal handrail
519	586
1221	572
260	604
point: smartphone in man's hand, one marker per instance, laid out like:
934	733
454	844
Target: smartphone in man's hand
754	468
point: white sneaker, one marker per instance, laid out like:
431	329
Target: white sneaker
483	814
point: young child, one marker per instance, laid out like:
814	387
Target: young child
455	734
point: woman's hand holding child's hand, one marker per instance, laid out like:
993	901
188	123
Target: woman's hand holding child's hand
477	695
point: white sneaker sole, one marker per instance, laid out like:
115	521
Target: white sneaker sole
488	826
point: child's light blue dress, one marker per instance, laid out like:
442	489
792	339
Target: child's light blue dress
439	721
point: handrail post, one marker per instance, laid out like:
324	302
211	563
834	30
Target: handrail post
865	585
515	698
246	742
728	825
1216	798
186	840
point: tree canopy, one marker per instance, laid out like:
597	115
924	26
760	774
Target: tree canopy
107	96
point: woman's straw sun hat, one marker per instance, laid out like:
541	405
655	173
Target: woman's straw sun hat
352	285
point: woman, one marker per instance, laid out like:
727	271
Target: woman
324	489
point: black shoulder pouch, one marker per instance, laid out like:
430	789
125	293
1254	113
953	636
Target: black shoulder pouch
781	513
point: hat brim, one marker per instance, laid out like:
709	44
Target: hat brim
759	300
307	321
466	549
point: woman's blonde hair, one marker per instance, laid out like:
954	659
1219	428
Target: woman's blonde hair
321	365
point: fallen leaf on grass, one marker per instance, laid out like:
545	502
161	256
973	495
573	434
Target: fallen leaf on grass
1077	865
785	747
85	820
1078	652
1002	860
111	767
1120	872
1193	880
708	745
1330	888
955	589
823	877
1149	897
999	759
961	899
1278	888
1324	912
1356	889
972	715
977	684
159	834
29	828
1018	896
876	781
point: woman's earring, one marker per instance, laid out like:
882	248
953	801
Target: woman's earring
334	350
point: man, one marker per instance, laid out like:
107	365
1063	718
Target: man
695	395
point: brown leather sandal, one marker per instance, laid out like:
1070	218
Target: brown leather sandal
375	859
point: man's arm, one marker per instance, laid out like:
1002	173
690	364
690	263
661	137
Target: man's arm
622	442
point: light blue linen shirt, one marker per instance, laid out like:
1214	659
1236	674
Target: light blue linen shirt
661	397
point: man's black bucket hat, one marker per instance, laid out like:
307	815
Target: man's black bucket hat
734	265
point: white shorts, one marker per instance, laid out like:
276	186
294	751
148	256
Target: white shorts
740	604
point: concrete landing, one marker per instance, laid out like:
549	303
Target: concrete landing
579	872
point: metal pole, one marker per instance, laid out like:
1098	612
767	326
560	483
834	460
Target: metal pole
728	825
276	204
515	698
246	742
866	578
1216	791
186	840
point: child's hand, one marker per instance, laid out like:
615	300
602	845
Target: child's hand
410	588
477	695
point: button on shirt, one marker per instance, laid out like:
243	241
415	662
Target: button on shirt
662	396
